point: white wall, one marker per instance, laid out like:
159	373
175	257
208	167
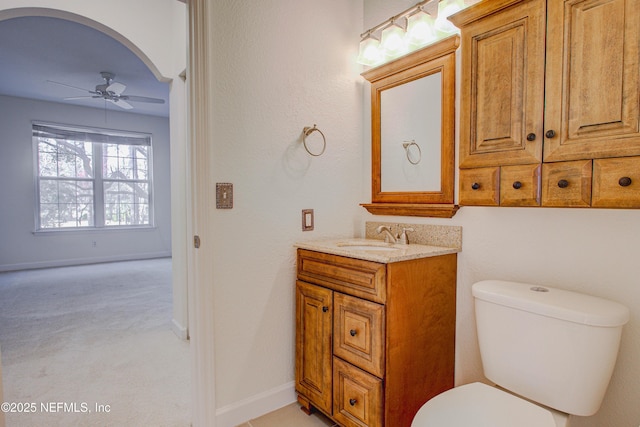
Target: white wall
277	68
22	248
592	251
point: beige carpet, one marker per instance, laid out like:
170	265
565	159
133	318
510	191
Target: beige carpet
92	346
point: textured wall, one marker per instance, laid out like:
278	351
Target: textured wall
277	68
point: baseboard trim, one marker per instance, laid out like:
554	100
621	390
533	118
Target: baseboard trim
82	261
179	330
240	412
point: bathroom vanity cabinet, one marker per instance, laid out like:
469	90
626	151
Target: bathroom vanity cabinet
374	341
550	108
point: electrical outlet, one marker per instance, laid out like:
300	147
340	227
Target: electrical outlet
94	243
307	219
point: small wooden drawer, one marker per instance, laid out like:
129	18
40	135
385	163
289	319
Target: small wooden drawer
358	329
364	279
567	184
357	396
616	183
520	185
480	187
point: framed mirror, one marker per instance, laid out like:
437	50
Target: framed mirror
413	133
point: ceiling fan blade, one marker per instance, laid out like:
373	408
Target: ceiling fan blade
64	84
116	88
120	103
135	98
80	97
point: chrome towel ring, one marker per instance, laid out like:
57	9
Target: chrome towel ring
407	145
306	131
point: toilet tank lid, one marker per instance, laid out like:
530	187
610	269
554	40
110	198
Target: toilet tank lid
553	302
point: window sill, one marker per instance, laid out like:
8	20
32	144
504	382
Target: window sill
95	230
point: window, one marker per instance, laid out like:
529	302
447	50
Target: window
92	178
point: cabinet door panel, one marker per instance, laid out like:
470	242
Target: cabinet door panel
503	87
314	308
364	279
616	183
480	187
359	333
520	185
592	90
358	396
567	184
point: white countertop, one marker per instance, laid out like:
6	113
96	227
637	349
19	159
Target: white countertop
377	252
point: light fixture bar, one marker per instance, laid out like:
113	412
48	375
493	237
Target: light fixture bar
396	17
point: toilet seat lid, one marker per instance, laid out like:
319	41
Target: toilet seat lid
481	405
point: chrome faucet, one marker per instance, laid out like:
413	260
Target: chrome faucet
388	236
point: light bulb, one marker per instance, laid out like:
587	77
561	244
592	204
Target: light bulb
447	8
370	52
393	42
420	29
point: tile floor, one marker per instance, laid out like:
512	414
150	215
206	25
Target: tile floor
290	416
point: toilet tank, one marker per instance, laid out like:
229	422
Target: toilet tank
551	346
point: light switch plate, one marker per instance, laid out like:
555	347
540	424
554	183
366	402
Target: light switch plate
224	195
307	219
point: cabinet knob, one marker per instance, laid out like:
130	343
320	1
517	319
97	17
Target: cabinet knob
352	402
353	332
625	181
325	309
517	185
475	186
563	183
531	137
550	133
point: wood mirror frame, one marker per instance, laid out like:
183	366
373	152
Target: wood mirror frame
436	58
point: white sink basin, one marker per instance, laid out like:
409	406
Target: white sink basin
360	247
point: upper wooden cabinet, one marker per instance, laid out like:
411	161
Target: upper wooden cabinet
592	79
549	82
502	83
588	105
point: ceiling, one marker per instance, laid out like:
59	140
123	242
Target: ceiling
36	49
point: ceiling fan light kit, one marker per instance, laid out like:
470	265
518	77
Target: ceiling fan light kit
112	91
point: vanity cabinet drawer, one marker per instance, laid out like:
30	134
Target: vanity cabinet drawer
358	328
616	183
480	187
567	184
520	185
358	396
364	279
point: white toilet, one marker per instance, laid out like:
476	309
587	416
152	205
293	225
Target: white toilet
550	353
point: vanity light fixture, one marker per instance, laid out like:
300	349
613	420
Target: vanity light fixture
394	42
370	53
422	24
420	29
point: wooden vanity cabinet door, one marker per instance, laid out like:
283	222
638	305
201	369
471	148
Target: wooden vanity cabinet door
359	333
502	83
314	325
616	183
480	187
567	184
520	185
358	396
592	92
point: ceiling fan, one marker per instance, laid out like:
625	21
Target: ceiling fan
111	91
